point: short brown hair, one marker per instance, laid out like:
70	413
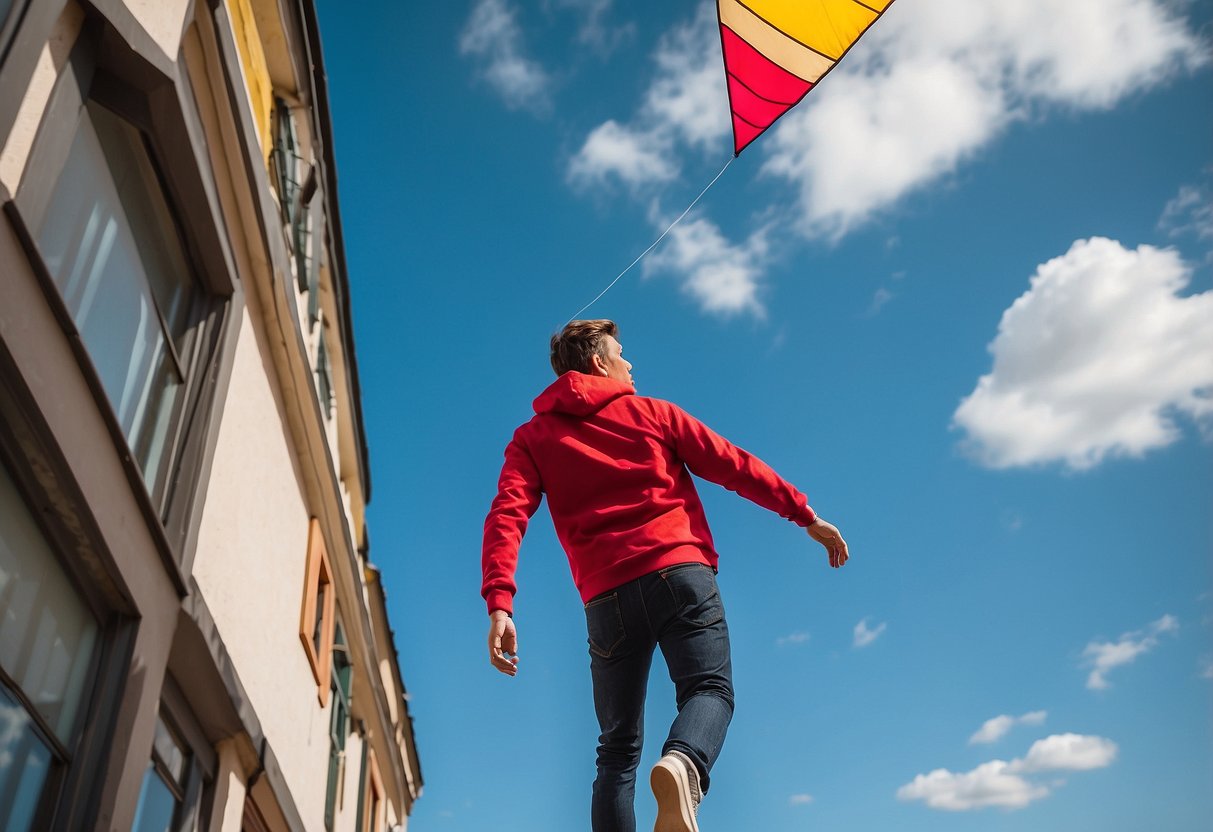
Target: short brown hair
573	346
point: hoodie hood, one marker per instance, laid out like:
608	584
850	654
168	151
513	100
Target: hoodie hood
578	394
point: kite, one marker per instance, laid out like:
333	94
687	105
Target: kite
775	51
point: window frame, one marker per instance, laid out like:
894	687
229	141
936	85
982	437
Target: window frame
318	572
186	363
371	798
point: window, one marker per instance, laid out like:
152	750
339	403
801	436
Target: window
324	377
319	608
48	639
113	249
296	185
370	805
339	721
164	782
176	794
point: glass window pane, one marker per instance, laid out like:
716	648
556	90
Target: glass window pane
112	246
318	624
24	762
170	751
149	217
157	805
47	635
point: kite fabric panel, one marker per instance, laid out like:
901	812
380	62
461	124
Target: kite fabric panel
775	51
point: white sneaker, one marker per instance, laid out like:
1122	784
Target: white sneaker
675	782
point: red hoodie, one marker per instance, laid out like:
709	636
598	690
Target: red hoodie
614	466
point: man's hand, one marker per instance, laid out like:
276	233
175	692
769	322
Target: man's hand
828	536
503	643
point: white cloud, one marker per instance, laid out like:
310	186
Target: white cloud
1067	752
595	31
990	784
613	149
1103	656
685	104
865	635
879	299
492	35
723	277
1189	212
685	96
933	83
1206	667
800	800
1003	784
877	136
1094	360
793	638
992	730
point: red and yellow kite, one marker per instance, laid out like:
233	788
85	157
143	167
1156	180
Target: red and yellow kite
775	51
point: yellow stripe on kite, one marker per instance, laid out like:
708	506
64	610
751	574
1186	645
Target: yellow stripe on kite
825	26
794	57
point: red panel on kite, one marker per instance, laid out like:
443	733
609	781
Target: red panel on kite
743	134
753	109
760	90
775	51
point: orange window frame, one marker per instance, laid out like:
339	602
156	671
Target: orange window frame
319	575
372	819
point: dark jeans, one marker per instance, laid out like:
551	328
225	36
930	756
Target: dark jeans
678	608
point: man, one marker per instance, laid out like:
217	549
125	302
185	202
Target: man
614	467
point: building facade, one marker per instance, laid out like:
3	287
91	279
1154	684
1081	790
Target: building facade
192	633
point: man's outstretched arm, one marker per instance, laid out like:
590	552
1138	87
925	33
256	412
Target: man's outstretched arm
519	492
709	455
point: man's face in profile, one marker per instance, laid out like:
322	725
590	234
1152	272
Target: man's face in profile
614	365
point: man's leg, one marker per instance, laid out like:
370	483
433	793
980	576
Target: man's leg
695	642
621	652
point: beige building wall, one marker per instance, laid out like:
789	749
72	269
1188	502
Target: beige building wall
250	569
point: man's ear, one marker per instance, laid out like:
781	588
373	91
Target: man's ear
597	366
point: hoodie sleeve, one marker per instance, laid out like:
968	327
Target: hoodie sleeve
519	493
711	456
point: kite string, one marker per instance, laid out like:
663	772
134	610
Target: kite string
654	243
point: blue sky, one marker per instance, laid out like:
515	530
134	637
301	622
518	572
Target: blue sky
962	297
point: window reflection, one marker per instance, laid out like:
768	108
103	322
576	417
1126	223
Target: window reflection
24	762
46	634
47	640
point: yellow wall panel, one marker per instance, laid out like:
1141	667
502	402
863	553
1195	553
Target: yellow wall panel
256	71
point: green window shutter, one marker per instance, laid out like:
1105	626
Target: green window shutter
339	721
288	167
324	378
